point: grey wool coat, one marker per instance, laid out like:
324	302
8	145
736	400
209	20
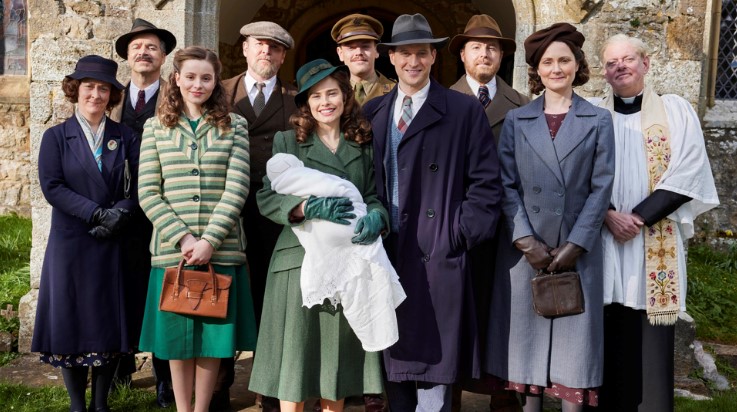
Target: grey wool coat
558	191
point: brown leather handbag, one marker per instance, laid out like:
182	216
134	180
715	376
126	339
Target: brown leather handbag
194	292
557	294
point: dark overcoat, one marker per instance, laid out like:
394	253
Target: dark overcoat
558	191
81	304
449	200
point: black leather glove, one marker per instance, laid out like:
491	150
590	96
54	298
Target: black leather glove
536	251
564	257
333	209
100	232
112	219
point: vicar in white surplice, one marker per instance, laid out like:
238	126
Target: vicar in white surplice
663	181
359	277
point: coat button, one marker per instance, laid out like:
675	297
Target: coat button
195	172
426	258
196	198
535	209
559	193
193	146
430	213
558	211
433	167
536	189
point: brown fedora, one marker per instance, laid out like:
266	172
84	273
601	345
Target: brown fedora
141	26
481	26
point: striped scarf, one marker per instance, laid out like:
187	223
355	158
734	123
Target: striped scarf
94	138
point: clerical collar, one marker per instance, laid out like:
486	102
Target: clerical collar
628	105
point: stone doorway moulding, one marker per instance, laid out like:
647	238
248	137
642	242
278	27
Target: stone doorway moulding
311	29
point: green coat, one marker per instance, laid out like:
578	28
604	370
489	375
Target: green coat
303	353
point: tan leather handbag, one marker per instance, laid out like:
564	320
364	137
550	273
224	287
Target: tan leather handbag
557	294
194	292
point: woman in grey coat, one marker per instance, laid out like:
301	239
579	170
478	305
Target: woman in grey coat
557	160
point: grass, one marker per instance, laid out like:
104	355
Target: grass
54	399
722	402
712	293
15	254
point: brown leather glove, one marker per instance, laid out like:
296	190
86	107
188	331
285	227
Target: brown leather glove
564	257
536	251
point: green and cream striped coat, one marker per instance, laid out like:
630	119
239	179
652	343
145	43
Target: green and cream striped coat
195	183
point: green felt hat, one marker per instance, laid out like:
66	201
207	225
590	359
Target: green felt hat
312	73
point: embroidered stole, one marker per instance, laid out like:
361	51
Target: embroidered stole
662	285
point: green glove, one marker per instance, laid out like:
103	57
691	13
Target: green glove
333	209
368	228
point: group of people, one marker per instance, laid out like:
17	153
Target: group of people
470	192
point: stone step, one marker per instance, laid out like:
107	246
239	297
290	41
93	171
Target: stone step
725	353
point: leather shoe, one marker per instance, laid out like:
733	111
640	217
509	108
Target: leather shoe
269	404
164	394
374	403
220	401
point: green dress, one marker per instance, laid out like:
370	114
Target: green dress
304	353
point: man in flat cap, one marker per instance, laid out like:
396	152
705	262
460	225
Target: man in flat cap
266	102
481	48
437	173
357	36
144	48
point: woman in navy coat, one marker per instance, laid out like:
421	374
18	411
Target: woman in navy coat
557	158
87	170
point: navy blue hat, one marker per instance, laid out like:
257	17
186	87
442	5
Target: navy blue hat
310	74
97	68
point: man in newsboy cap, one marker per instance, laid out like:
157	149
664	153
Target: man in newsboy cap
144	48
357	36
266	102
437	173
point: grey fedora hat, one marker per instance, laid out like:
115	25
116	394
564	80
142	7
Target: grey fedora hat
411	29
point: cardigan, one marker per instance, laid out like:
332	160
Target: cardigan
195	184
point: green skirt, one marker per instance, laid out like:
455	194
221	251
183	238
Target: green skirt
173	336
308	353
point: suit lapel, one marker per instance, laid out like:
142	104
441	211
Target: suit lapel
241	103
537	133
575	127
272	106
431	111
78	145
500	104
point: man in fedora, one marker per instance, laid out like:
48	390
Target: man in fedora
144	48
266	102
438	175
481	48
357	36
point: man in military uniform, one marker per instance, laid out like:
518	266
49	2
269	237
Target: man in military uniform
481	48
357	36
144	48
266	102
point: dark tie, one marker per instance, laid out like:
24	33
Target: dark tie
141	102
260	101
406	117
484	95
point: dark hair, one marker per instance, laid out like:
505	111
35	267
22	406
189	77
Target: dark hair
71	92
216	106
352	123
582	74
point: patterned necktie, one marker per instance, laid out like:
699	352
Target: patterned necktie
484	96
141	102
260	101
406	117
359	92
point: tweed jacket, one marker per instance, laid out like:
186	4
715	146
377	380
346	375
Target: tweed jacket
195	184
505	99
117	112
274	118
382	86
558	191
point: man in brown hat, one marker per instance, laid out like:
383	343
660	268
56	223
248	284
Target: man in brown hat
481	48
144	48
266	102
437	173
357	36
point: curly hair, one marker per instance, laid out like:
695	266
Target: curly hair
352	123
217	110
70	87
582	74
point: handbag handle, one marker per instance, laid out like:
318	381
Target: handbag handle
210	269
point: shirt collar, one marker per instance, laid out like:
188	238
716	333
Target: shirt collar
474	85
251	82
150	91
